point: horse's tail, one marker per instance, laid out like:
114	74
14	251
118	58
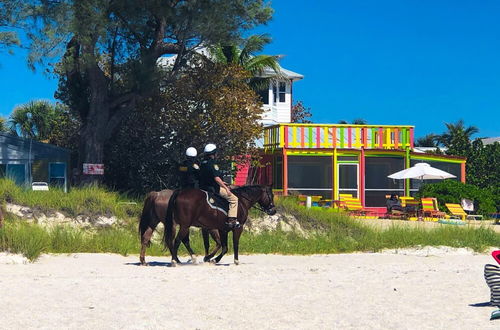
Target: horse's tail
169	221
147	212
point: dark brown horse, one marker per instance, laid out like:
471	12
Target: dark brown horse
154	211
189	208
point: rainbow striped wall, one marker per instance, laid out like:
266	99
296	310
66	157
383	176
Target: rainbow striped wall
314	136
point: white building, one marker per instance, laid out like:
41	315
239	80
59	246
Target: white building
279	97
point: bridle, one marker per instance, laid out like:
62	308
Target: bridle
258	206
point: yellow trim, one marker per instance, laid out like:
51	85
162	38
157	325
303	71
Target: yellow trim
309	153
438	159
335	175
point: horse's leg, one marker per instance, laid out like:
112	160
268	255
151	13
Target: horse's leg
223	238
192	255
236	242
216	237
145	241
206	241
183	231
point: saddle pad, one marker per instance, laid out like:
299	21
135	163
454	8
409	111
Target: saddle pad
217	202
492	276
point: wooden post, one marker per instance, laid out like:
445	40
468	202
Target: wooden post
462	172
361	187
407	165
285	173
335	194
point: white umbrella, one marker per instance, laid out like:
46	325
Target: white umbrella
422	171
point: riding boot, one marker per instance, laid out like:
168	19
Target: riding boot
232	223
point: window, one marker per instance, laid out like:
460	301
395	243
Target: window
57	173
264	95
282	92
17	173
275	93
377	184
278	173
310	175
348	179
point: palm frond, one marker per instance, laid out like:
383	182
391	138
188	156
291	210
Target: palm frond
252	45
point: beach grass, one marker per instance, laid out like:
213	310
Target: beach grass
88	200
326	231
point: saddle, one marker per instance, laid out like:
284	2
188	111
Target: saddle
217	202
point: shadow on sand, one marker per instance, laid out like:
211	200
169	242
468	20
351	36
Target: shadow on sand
483	304
168	264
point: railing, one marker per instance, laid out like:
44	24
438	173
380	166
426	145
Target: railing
317	136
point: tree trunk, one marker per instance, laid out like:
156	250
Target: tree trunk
93	134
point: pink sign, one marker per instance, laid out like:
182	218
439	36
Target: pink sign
93	169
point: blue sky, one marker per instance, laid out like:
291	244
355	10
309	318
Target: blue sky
417	62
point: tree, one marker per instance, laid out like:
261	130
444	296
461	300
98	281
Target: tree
360	121
111	50
209	103
357	121
33	120
3	125
457	138
10	11
429	140
42	121
245	56
300	113
483	164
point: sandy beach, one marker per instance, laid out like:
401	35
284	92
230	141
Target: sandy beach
424	289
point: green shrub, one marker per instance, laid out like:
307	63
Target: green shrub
451	191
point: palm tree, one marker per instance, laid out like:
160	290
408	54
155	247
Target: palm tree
455	131
3	125
360	121
457	138
33	120
244	55
429	140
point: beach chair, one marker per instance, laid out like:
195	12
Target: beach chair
458	212
430	208
354	208
468	207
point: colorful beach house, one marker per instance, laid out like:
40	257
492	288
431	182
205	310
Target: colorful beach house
332	159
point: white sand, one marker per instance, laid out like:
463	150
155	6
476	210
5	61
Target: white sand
368	291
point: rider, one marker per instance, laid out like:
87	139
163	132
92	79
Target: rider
189	170
210	180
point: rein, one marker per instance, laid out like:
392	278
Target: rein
255	204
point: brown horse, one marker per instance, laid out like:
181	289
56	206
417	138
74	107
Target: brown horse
154	211
189	208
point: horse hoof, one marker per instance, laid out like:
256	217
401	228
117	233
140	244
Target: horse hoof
144	264
236	262
206	259
213	262
173	263
194	261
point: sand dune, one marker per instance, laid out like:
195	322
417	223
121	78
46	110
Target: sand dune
424	289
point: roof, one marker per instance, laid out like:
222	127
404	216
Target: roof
42	144
268	72
491	140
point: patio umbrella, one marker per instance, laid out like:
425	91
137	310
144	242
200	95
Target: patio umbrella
422	171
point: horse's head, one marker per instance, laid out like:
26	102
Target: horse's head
266	200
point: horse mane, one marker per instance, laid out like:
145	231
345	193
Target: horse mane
245	191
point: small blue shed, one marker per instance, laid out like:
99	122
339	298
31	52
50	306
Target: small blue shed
27	161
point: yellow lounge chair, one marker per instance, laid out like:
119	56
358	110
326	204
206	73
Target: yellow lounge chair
430	208
354	207
457	211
